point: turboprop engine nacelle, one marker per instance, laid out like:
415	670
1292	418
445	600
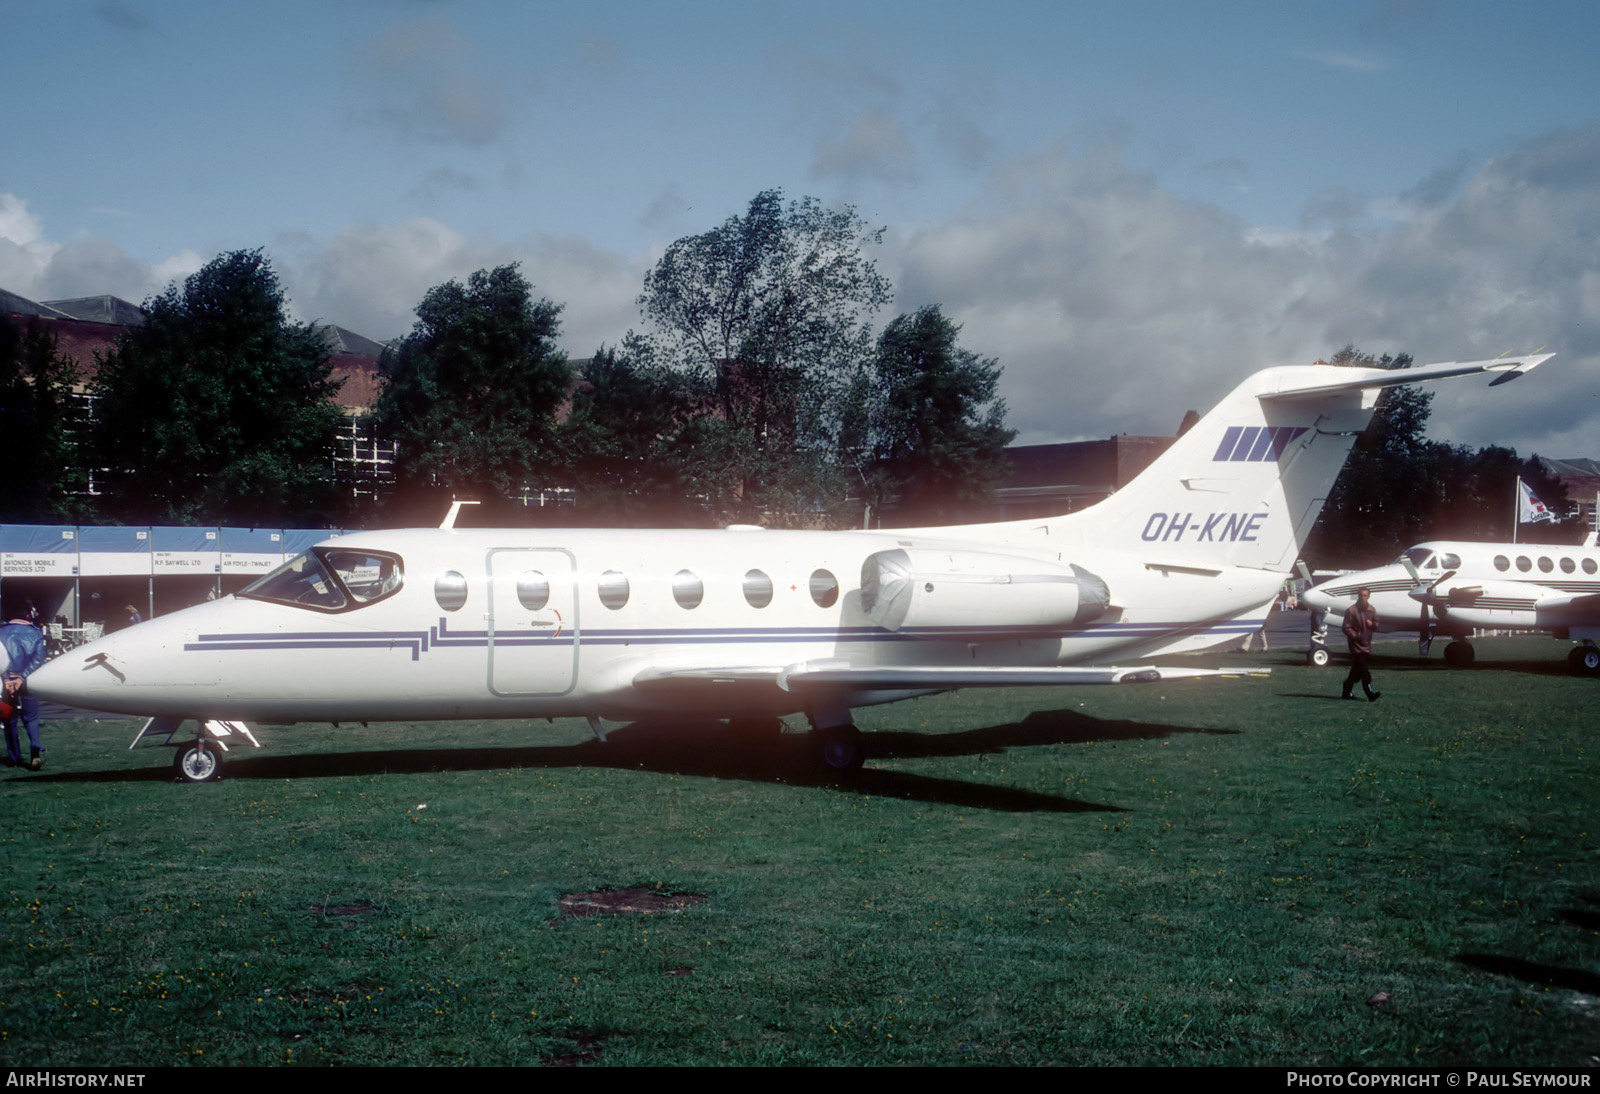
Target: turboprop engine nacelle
923	587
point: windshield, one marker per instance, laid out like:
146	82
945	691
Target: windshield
1419	556
331	579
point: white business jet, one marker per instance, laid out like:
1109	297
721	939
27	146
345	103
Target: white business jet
747	623
1454	588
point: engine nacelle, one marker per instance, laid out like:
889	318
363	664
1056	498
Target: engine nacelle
923	587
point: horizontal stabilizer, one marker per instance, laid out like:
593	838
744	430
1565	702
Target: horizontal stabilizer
928	678
1298	382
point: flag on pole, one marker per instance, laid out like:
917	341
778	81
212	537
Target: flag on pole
1530	510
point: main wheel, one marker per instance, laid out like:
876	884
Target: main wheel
1584	660
1318	657
839	749
196	765
1459	653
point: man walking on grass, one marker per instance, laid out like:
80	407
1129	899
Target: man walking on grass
1360	624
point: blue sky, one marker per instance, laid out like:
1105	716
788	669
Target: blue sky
1130	205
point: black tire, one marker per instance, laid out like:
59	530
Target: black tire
194	765
1459	654
1584	660
839	750
1318	657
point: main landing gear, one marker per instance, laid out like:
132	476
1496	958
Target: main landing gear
1460	654
839	750
1584	660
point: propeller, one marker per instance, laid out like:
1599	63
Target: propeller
1427	598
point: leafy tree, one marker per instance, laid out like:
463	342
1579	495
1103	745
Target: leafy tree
41	422
929	423
471	394
631	441
219	408
770	315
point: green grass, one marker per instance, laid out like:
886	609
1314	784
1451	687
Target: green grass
1204	873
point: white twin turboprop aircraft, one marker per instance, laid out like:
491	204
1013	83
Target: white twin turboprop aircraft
748	623
1454	588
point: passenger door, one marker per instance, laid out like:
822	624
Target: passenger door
533	621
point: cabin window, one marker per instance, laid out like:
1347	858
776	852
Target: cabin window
1568	566
757	589
687	589
1589	566
450	590
1523	563
1545	565
613	589
533	590
824	588
1502	563
1452	562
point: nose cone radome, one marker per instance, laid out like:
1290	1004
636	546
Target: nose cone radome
1320	600
88	676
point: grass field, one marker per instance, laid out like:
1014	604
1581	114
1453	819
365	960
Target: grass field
1205	873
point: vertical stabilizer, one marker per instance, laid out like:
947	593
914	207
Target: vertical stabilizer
1244	486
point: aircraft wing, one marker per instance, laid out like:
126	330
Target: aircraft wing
924	678
1350	379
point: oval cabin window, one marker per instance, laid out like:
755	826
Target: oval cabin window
1545	565
450	591
1523	563
613	589
1502	563
757	589
533	590
1589	566
687	589
1567	566
824	588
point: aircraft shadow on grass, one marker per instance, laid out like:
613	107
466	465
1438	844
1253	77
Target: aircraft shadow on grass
714	750
1585	917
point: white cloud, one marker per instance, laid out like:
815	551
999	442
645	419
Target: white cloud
370	277
1114	305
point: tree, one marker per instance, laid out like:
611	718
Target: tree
41	421
770	315
219	408
928	422
470	395
631	442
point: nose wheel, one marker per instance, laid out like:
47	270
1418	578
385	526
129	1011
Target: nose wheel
195	763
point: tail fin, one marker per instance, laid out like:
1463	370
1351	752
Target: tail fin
1244	485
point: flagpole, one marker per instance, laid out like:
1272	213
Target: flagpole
1516	509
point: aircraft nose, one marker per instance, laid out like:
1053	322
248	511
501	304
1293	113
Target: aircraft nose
1319	600
56	680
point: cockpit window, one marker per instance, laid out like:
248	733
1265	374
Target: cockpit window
366	575
1419	556
331	579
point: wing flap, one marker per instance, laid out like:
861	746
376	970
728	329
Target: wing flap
838	674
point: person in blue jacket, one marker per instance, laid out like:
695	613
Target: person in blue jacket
24	645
